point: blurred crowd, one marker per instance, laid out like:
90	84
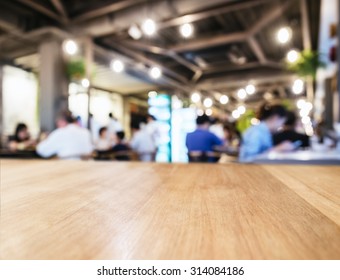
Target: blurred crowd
277	130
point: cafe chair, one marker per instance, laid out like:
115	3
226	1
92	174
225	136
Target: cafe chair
199	156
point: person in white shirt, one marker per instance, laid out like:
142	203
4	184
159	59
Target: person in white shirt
142	143
152	127
114	126
68	141
103	144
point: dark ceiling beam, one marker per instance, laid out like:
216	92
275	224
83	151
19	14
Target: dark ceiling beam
161	51
208	42
241	79
150	62
270	16
189	18
41	9
306	36
222	67
257	50
223	39
60	8
117	6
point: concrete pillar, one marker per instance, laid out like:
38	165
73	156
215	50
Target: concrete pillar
126	117
53	96
1	104
338	58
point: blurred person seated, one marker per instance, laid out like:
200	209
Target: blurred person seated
21	140
121	147
113	126
103	143
68	141
258	139
216	127
152	127
289	132
201	142
142	143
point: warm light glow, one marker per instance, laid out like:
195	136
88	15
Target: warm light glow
195	97
254	121
293	56
135	32
200	112
235	114
117	66
149	27
85	83
70	47
208	102
298	86
300	103
250	89
152	94
242	94
306	120
155	73
208	112
186	30
241	109
308	106
284	35
224	99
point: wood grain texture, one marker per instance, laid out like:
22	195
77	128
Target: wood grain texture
112	210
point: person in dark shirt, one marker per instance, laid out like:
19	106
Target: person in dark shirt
202	140
289	132
121	147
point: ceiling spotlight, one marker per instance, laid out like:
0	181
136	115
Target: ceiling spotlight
298	86
186	30
241	109
195	97
300	103
293	56
242	94
306	120
149	27
117	66
284	35
155	72
250	89
152	94
208	112
200	112
70	47
135	32
224	99
254	121
85	83
208	102
235	114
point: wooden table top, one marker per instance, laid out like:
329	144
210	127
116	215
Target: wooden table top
112	210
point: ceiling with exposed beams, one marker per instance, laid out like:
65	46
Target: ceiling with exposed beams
234	41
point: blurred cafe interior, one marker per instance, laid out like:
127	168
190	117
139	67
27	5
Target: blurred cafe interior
170	129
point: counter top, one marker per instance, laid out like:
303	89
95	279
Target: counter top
115	210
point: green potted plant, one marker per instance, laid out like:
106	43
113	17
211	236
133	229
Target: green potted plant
75	69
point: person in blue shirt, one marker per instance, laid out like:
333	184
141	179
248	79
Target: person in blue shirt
202	140
258	139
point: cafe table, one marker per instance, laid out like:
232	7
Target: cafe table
131	210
